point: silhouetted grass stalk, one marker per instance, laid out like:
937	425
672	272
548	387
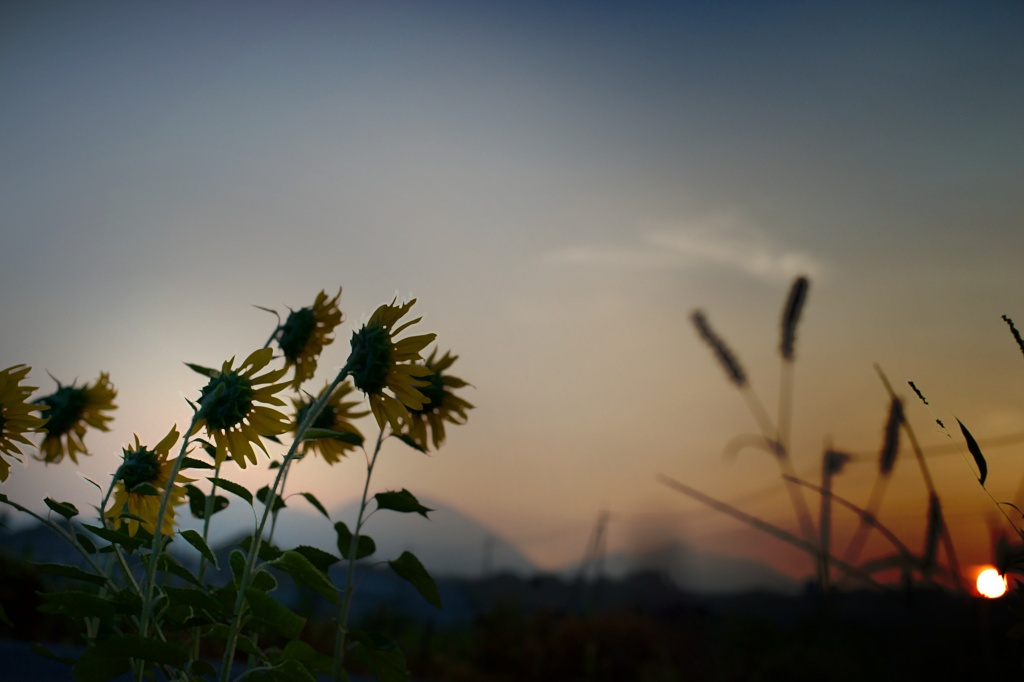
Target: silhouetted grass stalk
811	548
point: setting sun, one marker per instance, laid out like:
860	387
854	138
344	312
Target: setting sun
991	584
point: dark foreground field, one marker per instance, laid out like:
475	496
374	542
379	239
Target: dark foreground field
639	629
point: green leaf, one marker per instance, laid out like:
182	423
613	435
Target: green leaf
297	650
382	656
271	613
196	540
233	487
263	581
192	463
319	558
343	436
72	572
167	564
316	503
197	502
972	446
237	562
402	501
41	650
86	542
96	666
205	371
145	488
131	543
146	648
303	571
263	493
65	509
410	442
78	605
409	568
364	547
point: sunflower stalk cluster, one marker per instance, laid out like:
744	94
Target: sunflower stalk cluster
144	612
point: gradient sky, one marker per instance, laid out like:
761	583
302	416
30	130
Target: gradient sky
559	185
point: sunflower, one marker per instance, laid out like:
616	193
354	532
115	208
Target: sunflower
143	466
337	415
304	334
230	409
70	409
378	361
442	404
16	418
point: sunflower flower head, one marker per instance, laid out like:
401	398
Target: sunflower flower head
381	362
442	404
16	418
234	407
337	415
143	478
306	332
69	410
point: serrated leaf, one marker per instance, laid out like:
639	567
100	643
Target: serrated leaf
972	446
303	571
65	509
316	503
263	493
405	438
72	572
318	557
409	568
365	546
196	540
233	487
193	463
313	433
271	613
401	501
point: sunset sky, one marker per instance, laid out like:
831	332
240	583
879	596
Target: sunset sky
559	185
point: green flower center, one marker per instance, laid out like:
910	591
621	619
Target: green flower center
433	391
370	359
296	332
67	405
324	420
141	466
226	400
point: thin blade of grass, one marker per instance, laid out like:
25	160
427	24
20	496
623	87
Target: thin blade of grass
972	446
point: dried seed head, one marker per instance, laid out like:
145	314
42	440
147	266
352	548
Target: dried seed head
891	444
722	352
1016	334
791	316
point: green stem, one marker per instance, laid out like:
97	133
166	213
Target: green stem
236	624
346	603
157	546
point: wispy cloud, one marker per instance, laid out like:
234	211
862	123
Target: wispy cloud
721	241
